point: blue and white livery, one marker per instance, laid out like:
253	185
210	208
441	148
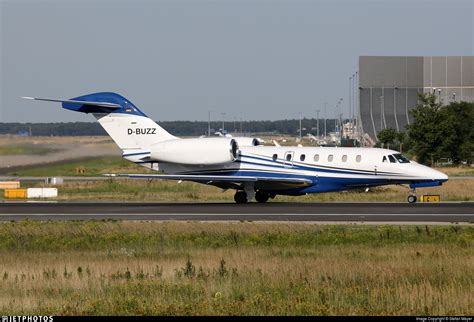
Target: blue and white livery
254	171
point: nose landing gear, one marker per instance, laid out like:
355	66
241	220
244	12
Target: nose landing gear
412	197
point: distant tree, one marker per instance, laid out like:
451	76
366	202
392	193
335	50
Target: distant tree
391	139
441	131
425	132
387	137
458	132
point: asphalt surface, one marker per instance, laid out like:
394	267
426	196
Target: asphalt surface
332	212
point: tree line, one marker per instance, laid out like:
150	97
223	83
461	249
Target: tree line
179	128
437	132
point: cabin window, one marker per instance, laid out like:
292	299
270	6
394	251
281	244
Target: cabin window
358	158
316	157
275	157
384	159
392	159
288	157
344	158
330	157
302	157
401	158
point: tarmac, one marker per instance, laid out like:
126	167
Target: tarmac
449	212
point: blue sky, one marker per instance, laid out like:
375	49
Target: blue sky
255	60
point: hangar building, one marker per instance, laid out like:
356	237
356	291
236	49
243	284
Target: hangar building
388	87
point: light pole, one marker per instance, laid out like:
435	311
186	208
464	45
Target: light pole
337	110
353	98
341	130
356	108
395	106
223	118
382	113
317	124
325	103
209	123
350	96
300	125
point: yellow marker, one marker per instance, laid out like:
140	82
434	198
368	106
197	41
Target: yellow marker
430	198
14	193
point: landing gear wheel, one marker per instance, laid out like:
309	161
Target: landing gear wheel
411	198
240	197
262	196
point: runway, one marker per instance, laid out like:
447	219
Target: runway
274	211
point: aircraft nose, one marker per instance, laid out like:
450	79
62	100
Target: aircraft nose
439	176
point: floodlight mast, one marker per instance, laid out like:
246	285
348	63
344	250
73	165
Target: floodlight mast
317	123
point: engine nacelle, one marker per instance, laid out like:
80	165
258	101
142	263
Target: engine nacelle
245	141
196	151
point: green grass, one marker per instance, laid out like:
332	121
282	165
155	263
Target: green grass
92	167
103	235
192	268
24	150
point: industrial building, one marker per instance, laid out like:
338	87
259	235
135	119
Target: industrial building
389	86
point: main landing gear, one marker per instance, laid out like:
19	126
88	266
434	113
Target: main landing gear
241	196
262	196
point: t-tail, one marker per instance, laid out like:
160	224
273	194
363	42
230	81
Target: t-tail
129	127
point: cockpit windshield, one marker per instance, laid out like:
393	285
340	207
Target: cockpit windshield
401	158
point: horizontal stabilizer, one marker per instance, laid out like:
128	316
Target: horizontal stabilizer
101	104
96	103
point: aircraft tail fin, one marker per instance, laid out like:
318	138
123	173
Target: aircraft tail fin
129	127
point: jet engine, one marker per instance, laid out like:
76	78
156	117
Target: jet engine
196	151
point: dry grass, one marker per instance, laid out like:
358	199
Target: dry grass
461	171
70	140
284	269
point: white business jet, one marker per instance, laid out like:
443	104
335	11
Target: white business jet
242	164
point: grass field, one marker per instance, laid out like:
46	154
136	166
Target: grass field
24	150
237	268
91	167
463	171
